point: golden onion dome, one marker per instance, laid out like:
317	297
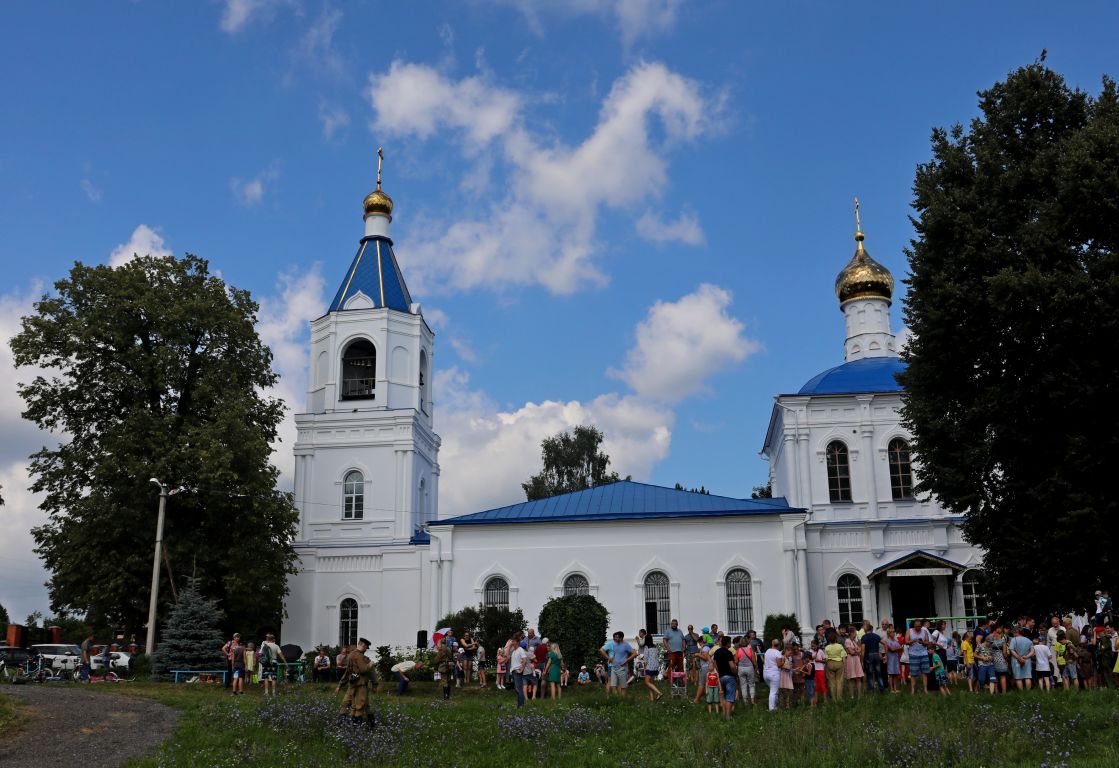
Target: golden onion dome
377	202
863	277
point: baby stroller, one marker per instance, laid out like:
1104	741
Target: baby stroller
677	682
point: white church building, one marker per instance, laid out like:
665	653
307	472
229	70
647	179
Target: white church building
844	536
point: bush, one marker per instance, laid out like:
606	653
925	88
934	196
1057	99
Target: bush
141	667
773	624
578	623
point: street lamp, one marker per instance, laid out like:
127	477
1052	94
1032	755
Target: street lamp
149	646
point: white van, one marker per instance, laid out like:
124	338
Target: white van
66	658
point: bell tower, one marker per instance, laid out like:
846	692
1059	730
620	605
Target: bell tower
865	290
366	455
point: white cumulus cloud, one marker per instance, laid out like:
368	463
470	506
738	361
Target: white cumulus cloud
684	229
251	192
145	241
284	325
488	452
539	226
634	19
680	344
236	14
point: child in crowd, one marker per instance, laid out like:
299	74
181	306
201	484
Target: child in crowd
893	658
953	654
600	673
967	650
1042	656
937	670
985	666
820	685
502	662
712	688
584	676
786	686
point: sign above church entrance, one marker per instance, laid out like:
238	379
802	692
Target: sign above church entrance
919	572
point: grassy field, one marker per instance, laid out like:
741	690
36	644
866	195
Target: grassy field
12	716
299	728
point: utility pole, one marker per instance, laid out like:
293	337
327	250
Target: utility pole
149	646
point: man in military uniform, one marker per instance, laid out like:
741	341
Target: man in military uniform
358	679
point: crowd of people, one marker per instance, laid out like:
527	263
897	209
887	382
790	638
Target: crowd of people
725	672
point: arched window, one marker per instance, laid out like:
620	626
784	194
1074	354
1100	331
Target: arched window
353	496
850	599
359	370
347	622
740	602
839	472
657	607
423	380
576	584
496	593
901	469
974	602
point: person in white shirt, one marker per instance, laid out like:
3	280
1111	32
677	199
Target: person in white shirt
400	670
771	672
321	672
519	665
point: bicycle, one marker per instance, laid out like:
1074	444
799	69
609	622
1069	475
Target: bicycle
43	673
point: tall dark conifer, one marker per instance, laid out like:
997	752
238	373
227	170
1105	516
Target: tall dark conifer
1012	392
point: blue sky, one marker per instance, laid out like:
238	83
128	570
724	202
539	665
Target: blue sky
626	212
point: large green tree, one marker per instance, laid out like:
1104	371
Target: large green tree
1012	392
572	462
155	370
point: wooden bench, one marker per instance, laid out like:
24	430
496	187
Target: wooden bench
177	673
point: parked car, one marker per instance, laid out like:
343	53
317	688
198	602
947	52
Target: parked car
13	658
66	658
119	661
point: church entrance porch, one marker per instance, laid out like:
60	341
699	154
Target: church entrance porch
916	586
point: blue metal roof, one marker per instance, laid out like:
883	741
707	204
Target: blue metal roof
375	273
870	374
623	500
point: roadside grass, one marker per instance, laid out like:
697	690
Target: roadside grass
480	728
12	716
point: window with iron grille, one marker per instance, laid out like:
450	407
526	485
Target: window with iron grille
974	602
839	472
353	496
740	602
901	469
576	584
657	608
359	370
347	622
850	599
496	593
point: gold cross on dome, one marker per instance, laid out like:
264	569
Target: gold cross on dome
858	224
381	159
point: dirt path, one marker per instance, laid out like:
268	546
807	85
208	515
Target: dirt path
72	726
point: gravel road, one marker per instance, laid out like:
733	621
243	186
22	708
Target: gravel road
71	726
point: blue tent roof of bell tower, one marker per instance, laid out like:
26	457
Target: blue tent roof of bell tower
375	273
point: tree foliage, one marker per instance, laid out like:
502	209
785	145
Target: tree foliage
191	638
700	489
762	491
578	623
572	462
155	369
492	627
1014	312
